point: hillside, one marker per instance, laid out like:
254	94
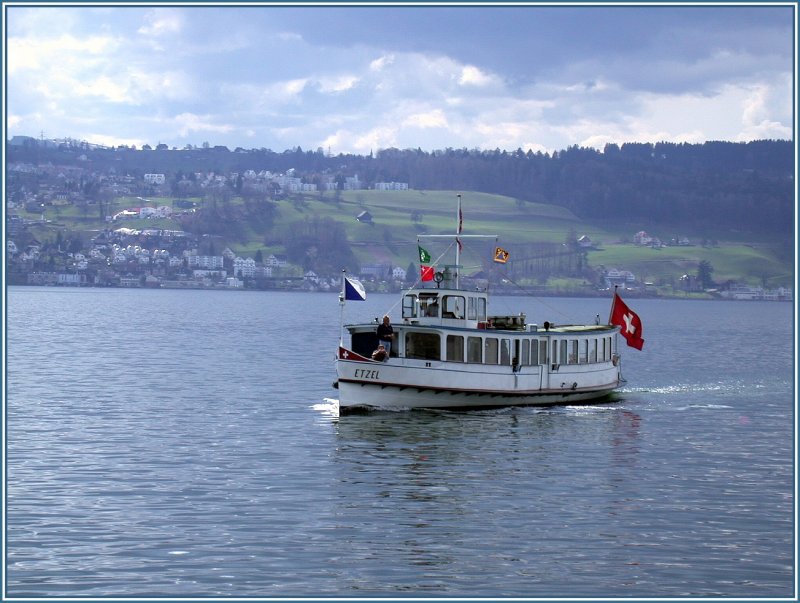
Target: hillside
729	205
529	231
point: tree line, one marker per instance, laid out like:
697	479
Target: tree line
747	187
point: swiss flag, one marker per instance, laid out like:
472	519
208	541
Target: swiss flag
426	273
628	320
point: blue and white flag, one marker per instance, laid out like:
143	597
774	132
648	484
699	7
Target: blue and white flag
354	290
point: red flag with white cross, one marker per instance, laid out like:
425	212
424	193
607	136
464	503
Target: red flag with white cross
629	322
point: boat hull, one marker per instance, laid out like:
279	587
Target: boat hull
399	384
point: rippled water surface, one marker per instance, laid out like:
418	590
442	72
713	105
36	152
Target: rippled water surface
184	444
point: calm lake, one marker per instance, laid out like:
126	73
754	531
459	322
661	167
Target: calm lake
167	443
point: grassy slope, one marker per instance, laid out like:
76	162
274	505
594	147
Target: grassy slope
392	236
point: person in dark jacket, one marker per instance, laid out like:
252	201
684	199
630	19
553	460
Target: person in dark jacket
385	334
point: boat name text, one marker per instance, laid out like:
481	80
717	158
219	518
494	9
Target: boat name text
366	374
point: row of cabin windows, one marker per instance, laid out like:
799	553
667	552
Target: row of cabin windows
452	306
494	350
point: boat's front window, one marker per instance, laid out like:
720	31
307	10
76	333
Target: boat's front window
453	306
410	306
429	304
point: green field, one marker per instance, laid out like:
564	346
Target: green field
391	237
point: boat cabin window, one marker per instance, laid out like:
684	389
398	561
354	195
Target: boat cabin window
429	304
562	353
490	350
476	308
364	343
505	351
593	350
425	346
573	351
543	351
474	348
534	357
525	356
455	348
410	306
453	306
583	353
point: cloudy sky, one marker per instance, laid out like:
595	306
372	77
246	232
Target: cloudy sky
358	79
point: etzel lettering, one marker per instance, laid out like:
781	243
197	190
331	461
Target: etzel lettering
366	374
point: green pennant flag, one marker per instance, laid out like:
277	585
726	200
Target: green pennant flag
424	256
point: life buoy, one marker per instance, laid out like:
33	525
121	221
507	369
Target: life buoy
438	277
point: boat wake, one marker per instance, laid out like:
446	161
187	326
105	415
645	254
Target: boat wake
329	408
692	388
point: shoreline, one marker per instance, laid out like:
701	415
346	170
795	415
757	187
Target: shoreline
632	294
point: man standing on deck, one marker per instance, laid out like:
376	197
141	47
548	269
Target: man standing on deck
385	334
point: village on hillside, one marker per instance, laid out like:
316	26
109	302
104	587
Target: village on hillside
122	256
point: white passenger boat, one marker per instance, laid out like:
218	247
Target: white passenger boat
449	351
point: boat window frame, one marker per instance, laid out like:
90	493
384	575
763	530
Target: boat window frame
476	308
533	357
429	304
471	341
412	308
583	351
451	305
454	357
572	354
505	351
430	351
491	356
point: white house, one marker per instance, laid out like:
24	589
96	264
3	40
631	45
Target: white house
613	277
205	262
275	261
391	186
244	267
352	183
71	279
155	178
399	274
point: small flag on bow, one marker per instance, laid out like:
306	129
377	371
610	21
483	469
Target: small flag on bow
500	255
354	290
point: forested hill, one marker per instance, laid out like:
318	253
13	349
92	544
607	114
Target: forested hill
744	187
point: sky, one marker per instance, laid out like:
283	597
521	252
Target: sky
357	79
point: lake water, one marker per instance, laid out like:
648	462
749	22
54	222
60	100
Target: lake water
180	444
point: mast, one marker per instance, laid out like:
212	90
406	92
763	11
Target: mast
341	312
458	237
459	222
